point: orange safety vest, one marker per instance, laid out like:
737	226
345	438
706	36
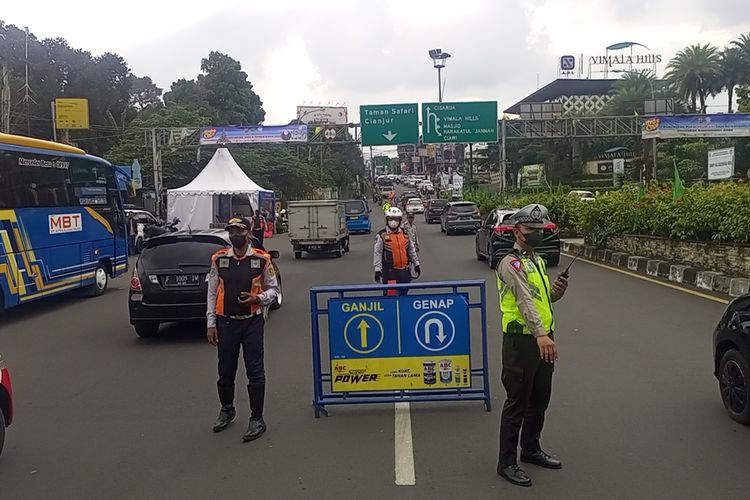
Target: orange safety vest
239	274
395	250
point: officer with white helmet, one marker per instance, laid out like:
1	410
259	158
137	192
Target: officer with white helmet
394	252
529	351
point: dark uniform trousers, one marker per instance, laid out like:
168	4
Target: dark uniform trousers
397	275
248	334
528	383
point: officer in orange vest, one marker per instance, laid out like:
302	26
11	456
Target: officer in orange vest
241	283
394	251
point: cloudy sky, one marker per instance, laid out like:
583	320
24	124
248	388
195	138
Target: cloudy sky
360	51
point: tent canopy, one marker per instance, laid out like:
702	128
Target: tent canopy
221	175
196	204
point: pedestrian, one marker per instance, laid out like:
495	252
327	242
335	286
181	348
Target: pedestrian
241	283
258	226
529	350
411	229
394	253
386	206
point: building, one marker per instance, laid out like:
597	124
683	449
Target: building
564	97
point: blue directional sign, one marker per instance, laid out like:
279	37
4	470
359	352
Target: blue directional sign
435	324
362	327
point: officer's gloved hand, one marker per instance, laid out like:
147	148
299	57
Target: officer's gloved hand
418	270
378	276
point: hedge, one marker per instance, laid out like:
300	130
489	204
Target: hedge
716	212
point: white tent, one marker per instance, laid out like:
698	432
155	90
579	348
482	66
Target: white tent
196	205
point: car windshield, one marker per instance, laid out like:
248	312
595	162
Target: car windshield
414	201
464	208
438	203
175	253
355	207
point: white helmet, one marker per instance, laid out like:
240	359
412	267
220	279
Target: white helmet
394	213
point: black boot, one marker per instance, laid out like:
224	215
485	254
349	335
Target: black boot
257	426
226	415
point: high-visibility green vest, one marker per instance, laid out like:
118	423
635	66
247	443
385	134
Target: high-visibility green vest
536	272
386	207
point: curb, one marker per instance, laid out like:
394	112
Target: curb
682	274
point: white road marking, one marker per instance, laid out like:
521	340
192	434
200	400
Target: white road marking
404	447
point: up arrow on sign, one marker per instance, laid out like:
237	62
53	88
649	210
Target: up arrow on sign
390	135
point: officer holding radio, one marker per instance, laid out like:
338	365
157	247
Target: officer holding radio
241	283
529	350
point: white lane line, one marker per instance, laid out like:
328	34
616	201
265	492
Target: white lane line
404	447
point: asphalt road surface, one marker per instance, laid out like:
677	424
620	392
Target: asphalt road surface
635	412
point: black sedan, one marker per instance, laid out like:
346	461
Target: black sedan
495	238
433	209
732	359
169	279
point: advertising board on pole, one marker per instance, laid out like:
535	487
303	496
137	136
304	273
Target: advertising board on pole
721	164
670	127
327	115
71	113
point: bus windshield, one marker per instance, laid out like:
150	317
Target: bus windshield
71	227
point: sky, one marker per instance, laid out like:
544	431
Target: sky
355	52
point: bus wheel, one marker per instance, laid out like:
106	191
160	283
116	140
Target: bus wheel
101	281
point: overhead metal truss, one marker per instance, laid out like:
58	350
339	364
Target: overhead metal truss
584	127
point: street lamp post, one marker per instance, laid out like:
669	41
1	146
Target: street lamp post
653	98
438	62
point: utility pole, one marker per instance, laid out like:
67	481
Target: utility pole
26	87
5	99
502	155
156	157
53	109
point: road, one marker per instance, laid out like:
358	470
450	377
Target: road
103	414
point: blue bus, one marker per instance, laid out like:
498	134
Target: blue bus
62	225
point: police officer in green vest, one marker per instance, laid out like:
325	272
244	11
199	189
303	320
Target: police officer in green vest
529	352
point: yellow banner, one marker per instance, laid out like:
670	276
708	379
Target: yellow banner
71	113
379	374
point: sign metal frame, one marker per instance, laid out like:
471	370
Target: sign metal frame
323	393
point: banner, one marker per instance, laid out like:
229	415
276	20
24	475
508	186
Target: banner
720	164
670	127
532	175
253	135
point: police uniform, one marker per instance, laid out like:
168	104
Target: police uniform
526	298
240	325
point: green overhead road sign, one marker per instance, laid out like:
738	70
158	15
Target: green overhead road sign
386	124
459	122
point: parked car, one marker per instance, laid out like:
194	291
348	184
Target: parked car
142	218
169	279
732	359
6	401
358	216
406	196
414	206
427	188
460	216
434	209
583	195
495	238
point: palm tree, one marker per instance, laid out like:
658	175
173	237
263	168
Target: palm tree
743	43
734	70
694	71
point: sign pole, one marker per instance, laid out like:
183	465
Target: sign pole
502	155
54	123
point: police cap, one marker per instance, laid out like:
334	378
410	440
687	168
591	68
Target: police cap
532	216
238	222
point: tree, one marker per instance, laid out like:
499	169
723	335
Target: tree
228	90
734	70
743	98
143	92
694	73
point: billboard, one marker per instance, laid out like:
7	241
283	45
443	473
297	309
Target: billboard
670	127
254	134
71	113
328	115
532	175
720	164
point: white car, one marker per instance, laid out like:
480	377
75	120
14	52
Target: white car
142	219
414	206
583	195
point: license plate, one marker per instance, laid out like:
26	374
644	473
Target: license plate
354	217
178	280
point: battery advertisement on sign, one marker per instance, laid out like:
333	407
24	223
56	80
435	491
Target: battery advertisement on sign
404	342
